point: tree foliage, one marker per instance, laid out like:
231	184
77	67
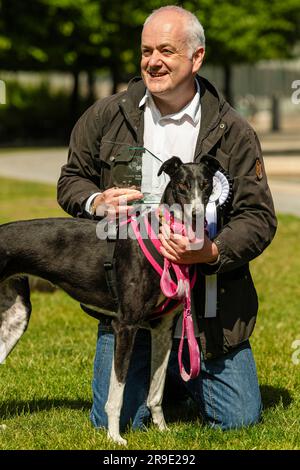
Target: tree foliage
248	31
91	34
51	34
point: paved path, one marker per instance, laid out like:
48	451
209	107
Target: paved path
44	166
286	196
33	165
280	143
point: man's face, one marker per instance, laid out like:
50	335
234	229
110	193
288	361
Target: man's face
167	69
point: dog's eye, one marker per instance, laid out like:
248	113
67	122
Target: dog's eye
204	184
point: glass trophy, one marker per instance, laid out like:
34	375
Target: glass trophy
138	167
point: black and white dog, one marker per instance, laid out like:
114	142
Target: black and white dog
68	253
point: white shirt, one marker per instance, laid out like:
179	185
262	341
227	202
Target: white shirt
165	137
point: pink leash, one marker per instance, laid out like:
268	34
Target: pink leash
180	290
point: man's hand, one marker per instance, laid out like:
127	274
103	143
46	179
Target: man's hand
180	250
113	201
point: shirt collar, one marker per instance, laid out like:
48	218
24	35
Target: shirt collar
191	110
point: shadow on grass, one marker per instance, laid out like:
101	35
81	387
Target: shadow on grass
182	409
273	396
14	408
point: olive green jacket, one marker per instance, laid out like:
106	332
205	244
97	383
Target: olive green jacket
249	223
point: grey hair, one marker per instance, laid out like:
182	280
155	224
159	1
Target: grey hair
194	29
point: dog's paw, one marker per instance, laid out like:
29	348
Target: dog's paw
117	439
162	426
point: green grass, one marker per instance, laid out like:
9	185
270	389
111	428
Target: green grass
46	382
22	200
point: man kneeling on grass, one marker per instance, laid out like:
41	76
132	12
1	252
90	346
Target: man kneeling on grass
173	111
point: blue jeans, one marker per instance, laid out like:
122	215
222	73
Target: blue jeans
226	391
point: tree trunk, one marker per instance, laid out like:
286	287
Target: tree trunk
115	75
227	69
91	87
275	113
74	99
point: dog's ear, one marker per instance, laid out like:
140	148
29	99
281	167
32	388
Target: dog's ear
170	166
211	162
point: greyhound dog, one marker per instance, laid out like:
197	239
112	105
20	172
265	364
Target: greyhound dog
68	253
